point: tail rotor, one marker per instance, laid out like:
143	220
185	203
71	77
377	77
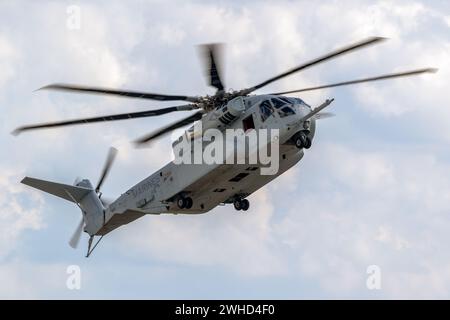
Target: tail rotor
106	168
75	239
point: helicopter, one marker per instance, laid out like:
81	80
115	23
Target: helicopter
197	188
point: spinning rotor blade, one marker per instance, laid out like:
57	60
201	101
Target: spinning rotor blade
75	239
181	123
334	54
382	77
109	160
212	60
122	116
122	93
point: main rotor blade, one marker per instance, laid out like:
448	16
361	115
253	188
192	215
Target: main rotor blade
212	60
180	123
331	55
122	93
346	83
114	117
109	161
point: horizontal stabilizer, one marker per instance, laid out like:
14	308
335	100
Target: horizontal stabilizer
65	191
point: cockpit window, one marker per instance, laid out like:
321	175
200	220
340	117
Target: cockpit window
286	100
291	100
285	111
278	103
266	110
281	104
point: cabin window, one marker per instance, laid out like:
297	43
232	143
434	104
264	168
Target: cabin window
248	123
266	110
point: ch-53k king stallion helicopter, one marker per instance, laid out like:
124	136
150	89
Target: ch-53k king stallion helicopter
188	188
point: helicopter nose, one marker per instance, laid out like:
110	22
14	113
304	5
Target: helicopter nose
301	110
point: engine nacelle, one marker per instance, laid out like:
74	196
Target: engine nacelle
225	115
219	118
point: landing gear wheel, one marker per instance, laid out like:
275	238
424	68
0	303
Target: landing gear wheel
189	202
301	140
241	204
245	204
298	141
308	143
237	204
181	203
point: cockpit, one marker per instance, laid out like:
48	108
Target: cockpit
284	106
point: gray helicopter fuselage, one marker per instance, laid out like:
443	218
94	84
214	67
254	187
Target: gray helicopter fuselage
210	185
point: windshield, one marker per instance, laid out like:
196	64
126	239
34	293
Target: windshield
291	100
282	106
278	103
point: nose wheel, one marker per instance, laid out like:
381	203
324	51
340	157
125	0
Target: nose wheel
301	140
241	204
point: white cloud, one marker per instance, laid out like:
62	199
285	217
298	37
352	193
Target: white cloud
20	210
385	235
359	221
354	206
20	280
8	60
234	240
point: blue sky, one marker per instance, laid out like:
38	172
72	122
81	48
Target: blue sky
373	189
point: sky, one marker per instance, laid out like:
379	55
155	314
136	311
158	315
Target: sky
374	189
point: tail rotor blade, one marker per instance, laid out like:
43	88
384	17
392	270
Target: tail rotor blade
75	239
109	161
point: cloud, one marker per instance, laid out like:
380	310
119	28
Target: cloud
20	210
8	60
211	240
372	190
20	280
356	221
